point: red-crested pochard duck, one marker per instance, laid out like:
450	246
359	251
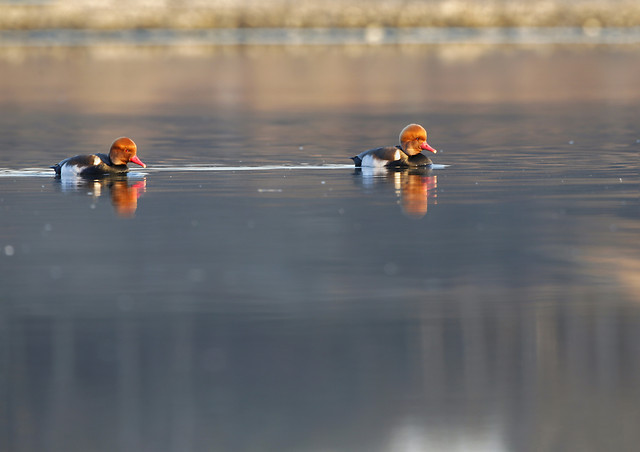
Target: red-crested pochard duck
413	140
122	151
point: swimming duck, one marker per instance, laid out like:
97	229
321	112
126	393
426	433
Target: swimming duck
122	151
413	140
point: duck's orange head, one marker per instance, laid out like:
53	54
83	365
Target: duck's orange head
413	140
123	151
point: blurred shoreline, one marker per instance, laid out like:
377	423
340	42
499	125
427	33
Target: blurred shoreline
318	36
463	28
451	45
227	14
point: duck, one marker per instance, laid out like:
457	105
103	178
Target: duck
123	150
413	140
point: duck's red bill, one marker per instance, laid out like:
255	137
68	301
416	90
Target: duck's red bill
426	147
137	161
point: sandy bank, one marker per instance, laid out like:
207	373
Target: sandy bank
193	14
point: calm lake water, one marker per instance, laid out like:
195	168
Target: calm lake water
251	291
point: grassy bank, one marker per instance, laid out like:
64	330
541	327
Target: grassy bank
191	14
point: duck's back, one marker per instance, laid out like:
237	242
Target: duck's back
93	165
379	156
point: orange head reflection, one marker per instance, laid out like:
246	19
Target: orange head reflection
415	188
124	197
123	192
416	192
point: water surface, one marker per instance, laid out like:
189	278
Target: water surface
252	291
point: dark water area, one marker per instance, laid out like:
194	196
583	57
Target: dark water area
251	291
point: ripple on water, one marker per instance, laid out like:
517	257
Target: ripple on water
45	172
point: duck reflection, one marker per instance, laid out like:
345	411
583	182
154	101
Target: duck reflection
414	187
124	192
